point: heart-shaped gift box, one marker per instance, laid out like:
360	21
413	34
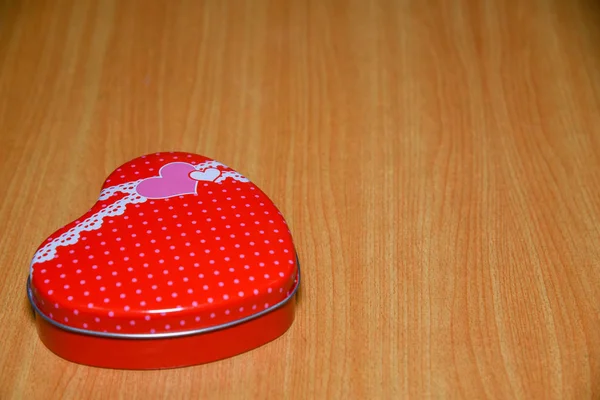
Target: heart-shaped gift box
181	261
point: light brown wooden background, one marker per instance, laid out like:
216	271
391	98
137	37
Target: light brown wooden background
438	162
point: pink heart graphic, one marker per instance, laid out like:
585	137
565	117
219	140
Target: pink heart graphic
173	180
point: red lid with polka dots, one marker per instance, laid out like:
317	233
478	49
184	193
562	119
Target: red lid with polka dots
176	243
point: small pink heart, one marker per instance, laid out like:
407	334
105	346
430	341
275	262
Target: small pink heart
173	180
210	174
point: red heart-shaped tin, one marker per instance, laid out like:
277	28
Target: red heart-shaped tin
181	261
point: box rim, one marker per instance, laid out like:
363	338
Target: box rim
162	335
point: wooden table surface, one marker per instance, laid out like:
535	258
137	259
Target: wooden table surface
438	162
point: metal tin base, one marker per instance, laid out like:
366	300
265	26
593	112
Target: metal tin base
166	353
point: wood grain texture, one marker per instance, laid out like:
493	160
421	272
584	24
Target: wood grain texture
438	162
